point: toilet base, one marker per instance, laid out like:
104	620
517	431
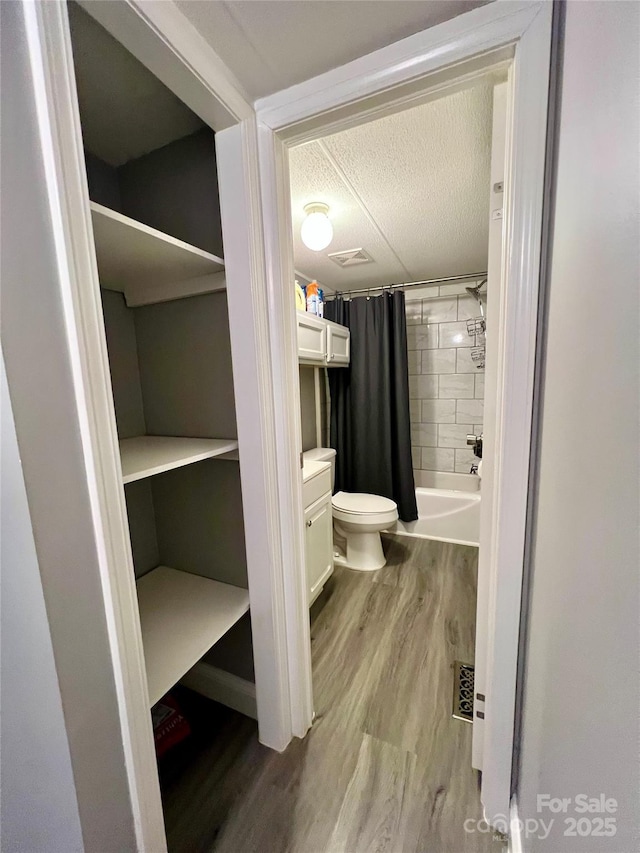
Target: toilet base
363	552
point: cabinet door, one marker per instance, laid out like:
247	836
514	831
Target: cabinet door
312	339
337	345
318	544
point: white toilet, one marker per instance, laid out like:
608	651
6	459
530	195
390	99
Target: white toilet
358	520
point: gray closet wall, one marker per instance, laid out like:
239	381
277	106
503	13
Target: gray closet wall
184	351
102	178
190	519
142	526
173	189
171	374
171	366
199	523
234	652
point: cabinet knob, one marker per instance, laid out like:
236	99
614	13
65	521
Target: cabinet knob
309	523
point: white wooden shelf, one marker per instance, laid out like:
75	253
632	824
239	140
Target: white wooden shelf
147	455
182	616
148	265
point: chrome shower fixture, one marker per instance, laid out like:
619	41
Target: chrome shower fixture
475	292
477	327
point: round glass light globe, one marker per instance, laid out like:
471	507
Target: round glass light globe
316	231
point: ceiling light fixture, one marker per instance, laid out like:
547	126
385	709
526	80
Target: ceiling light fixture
316	231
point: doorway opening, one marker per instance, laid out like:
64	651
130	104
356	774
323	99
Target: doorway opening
415	201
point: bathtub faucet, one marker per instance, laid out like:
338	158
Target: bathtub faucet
473	469
475	441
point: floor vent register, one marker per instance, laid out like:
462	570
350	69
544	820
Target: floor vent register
463	684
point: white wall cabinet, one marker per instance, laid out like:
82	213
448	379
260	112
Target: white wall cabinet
318	526
312	339
322	342
338	345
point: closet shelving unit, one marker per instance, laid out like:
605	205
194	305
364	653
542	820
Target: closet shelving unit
152	184
127	253
182	615
146	455
146	264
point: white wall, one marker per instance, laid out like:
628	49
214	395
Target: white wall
39	806
580	726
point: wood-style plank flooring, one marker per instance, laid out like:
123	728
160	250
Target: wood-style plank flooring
385	767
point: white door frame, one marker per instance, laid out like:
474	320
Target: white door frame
495	319
423	66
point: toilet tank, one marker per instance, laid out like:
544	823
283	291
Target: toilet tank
322	454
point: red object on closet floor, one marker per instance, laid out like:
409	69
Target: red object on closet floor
169	726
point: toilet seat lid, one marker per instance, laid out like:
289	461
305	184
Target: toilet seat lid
359	503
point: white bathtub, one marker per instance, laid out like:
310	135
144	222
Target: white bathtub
447	514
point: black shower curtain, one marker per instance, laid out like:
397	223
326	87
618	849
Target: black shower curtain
370	424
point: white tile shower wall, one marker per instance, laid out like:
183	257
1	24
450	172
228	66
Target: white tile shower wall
445	386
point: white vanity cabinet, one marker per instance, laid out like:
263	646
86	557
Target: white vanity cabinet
322	342
318	526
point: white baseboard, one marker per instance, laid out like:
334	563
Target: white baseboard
515	834
223	687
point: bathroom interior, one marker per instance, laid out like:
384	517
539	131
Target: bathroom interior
391	550
409	202
410	264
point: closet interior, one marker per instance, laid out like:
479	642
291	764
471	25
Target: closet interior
152	180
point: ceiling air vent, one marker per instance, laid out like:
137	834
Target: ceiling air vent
351	257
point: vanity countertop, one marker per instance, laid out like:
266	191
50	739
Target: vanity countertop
312	468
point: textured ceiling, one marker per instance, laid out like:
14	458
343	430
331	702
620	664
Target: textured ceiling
132	115
273	44
411	189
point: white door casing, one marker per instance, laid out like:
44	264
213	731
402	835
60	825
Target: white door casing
495	319
283	345
271	594
92	584
527	106
501	35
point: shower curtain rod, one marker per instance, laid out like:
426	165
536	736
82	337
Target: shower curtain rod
431	282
